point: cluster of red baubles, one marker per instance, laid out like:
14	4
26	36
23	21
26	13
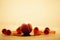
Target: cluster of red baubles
6	32
25	30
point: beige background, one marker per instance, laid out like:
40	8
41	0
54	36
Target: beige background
41	13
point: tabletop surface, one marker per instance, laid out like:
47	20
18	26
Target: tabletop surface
40	37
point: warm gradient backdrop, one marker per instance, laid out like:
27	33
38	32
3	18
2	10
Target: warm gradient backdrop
39	13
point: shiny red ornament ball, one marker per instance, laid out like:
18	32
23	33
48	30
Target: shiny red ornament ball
46	31
4	31
36	31
18	30
26	29
8	32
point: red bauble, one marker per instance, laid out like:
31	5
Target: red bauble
46	31
26	29
36	31
4	31
18	30
8	32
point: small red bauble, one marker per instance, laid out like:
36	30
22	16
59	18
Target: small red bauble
36	31
46	31
18	30
4	31
8	32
